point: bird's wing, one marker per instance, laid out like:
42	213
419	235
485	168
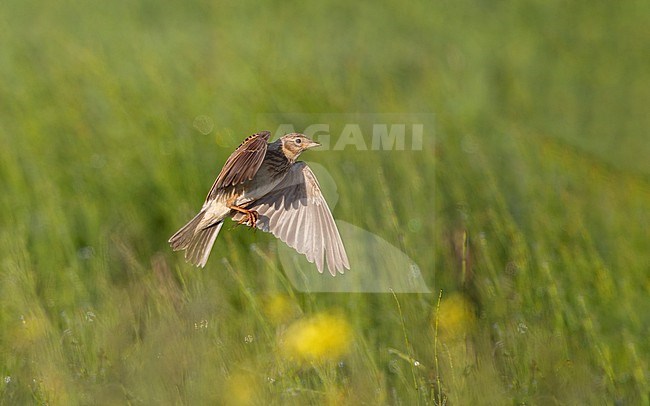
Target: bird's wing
242	165
296	212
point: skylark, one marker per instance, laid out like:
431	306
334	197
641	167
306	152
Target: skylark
262	185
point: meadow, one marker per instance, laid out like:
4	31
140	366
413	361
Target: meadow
525	209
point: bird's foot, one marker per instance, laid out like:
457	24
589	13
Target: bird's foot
250	217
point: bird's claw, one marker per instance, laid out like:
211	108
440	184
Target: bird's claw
250	217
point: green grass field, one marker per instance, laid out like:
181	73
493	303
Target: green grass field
526	209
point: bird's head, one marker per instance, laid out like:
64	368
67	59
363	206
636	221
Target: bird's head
293	144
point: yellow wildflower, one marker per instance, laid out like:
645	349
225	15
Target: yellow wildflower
456	317
320	338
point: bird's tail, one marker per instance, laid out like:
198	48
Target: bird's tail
197	242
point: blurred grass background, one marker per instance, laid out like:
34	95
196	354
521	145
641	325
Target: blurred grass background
539	157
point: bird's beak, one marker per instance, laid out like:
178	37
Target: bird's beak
312	144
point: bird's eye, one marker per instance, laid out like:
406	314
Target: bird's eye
298	140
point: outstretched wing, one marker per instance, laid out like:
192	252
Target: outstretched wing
296	212
242	164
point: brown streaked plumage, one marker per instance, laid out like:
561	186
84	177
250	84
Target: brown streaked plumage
262	185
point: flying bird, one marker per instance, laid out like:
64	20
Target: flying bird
263	186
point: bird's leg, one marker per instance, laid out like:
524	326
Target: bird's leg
250	216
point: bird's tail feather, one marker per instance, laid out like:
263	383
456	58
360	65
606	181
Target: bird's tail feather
197	242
